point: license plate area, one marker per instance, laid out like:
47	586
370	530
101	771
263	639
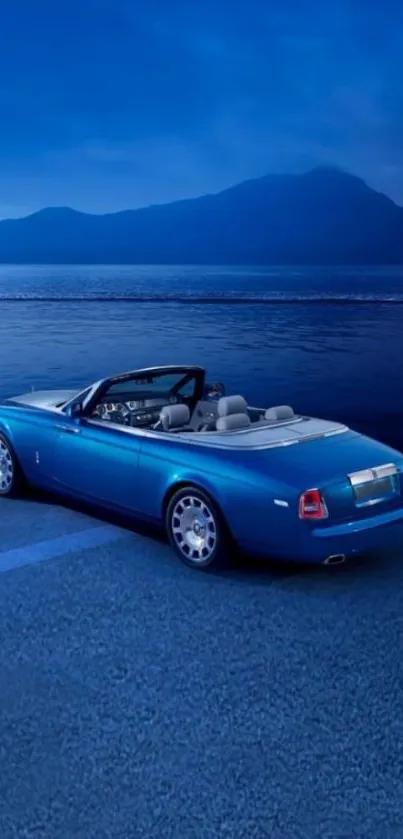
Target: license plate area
374	486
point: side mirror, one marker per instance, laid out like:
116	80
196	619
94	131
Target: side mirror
74	410
214	390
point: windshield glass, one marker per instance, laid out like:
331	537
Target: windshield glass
148	387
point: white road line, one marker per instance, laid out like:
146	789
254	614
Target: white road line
49	549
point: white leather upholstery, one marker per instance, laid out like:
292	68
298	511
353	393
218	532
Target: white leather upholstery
173	416
279	412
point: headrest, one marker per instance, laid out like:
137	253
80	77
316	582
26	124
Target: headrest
172	416
231	405
232	422
279	412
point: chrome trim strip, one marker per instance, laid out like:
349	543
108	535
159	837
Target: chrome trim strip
371	503
362	477
373	473
334	431
386	471
276	444
127	429
69	429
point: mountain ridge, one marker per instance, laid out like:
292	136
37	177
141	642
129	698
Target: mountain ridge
323	216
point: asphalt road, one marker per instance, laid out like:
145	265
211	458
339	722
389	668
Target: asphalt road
141	699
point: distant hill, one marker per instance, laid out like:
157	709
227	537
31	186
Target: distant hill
322	217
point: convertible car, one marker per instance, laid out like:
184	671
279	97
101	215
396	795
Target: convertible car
164	445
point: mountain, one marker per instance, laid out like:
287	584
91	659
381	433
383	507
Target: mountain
325	216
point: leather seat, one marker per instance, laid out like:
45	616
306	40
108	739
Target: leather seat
174	416
279	412
232	413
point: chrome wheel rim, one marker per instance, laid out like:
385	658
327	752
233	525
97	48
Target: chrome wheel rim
6	467
194	528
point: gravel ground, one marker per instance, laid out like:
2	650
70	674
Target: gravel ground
141	699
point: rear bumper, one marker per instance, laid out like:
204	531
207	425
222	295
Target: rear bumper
382	533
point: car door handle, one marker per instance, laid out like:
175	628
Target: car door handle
70	429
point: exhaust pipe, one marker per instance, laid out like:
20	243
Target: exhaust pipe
335	559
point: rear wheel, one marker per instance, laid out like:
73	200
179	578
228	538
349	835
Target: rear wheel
196	529
11	476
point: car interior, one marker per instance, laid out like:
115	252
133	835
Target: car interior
150	404
229	413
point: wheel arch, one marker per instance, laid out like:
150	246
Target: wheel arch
6	430
182	484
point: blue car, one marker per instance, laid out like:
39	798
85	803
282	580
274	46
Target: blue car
166	446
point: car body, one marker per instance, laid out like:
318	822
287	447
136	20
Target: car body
163	445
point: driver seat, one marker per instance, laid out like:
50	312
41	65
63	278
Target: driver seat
174	416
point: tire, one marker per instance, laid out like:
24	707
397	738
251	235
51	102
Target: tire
197	530
11	475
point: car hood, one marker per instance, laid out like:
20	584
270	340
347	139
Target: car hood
46	399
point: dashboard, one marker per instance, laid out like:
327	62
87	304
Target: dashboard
136	413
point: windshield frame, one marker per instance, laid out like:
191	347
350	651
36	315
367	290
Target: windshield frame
99	391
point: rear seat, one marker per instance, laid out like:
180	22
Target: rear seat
228	413
279	413
232	414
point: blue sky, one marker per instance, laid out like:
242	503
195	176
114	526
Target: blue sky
109	104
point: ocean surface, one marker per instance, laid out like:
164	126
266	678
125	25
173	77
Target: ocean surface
327	341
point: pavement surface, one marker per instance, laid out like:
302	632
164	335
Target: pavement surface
142	700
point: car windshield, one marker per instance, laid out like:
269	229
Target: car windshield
149	386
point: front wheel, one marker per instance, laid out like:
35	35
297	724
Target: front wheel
196	529
11	477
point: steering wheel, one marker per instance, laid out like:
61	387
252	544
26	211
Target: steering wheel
122	417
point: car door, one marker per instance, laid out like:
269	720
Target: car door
97	460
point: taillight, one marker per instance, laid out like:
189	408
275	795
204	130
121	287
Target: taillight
312	505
